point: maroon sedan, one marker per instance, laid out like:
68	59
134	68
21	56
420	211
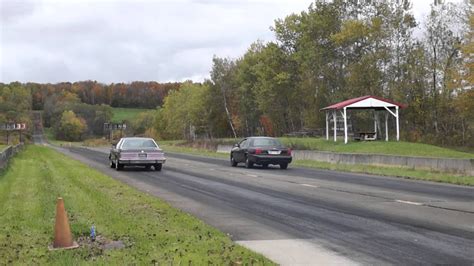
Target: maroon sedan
136	152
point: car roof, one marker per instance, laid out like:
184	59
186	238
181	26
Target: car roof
260	137
135	138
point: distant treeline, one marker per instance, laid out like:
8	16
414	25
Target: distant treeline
136	94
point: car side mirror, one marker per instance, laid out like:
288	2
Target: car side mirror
236	145
114	145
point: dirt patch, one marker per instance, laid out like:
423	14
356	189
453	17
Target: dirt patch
100	244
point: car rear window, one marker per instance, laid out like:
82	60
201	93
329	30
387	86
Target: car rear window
266	143
138	144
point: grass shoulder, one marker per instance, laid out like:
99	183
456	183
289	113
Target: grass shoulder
91	142
402	172
166	146
152	231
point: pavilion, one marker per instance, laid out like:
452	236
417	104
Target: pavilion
367	102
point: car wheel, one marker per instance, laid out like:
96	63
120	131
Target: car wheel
118	166
248	163
283	165
147	167
158	166
111	163
232	161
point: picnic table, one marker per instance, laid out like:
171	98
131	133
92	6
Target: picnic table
365	136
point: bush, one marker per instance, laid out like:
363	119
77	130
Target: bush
71	127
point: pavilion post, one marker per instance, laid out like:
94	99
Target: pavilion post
334	116
345	125
398	123
386	126
375	122
327	125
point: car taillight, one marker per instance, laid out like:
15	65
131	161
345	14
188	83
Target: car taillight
258	151
289	151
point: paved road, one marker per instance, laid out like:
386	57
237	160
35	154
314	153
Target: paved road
313	216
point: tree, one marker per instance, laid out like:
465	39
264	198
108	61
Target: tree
15	103
443	47
184	113
71	127
223	77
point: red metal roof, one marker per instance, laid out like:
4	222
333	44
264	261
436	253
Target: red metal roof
345	103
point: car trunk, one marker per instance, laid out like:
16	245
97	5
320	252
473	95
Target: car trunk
141	154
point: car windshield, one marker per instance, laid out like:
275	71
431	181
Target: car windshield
266	142
138	144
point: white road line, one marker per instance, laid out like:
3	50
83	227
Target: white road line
409	202
308	185
252	175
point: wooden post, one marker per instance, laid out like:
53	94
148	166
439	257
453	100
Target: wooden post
386	126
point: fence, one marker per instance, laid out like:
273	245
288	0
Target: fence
7	153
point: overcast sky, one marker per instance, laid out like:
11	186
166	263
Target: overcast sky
122	41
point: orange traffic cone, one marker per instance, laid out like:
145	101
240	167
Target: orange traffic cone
62	231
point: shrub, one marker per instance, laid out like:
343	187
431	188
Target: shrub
71	127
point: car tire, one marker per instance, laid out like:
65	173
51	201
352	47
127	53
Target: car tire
158	166
284	165
118	166
147	167
111	163
233	163
248	163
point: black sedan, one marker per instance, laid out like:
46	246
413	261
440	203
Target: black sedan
261	151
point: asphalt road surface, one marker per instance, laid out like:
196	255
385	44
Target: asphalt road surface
305	216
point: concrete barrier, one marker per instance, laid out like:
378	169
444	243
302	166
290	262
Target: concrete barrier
459	166
7	153
224	148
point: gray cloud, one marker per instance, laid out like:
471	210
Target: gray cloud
121	41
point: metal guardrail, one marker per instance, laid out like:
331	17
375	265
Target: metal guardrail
7	153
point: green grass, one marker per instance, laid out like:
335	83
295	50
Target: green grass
152	231
376	147
126	114
402	172
195	151
2	147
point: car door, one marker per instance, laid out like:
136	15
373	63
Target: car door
239	151
115	150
